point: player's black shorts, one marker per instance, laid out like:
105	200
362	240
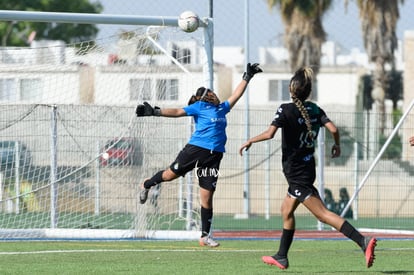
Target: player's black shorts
301	176
302	192
206	165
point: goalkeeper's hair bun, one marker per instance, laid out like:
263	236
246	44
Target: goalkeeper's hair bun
193	99
202	92
199	95
206	95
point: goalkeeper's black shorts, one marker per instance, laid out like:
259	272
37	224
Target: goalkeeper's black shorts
206	165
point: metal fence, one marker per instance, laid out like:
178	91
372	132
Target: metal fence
86	188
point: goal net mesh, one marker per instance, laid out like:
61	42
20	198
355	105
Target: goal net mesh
73	153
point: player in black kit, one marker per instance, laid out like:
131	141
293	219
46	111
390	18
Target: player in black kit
300	121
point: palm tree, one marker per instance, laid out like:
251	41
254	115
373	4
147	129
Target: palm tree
304	33
378	21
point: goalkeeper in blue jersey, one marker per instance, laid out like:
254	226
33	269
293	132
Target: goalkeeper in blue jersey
204	150
300	121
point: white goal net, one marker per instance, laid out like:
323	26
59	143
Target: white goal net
72	151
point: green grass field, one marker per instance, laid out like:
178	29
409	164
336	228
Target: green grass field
186	257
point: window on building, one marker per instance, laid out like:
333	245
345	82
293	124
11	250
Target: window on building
279	90
13	89
140	89
8	89
30	89
167	89
183	55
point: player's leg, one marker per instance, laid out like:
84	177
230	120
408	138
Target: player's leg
318	209
207	184
280	259
208	172
160	176
206	200
183	163
157	178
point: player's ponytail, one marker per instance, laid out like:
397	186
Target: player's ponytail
301	83
300	88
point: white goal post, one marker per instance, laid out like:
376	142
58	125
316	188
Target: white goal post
35	208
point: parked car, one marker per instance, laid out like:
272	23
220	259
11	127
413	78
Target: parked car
121	151
12	149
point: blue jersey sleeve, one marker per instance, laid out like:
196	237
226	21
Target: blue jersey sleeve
192	109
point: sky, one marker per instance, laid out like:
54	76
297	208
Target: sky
265	28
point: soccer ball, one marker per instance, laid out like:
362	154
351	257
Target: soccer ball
188	21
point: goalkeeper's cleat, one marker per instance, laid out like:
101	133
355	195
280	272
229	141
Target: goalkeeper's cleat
276	260
208	241
368	248
143	194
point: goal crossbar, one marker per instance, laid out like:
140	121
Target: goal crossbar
90	18
115	19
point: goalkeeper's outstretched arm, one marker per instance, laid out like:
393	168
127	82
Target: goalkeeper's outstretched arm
251	70
147	110
172	112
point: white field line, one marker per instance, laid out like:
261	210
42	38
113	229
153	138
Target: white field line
128	250
156	250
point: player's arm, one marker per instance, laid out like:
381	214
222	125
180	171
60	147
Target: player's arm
251	70
147	110
336	147
172	112
268	134
237	93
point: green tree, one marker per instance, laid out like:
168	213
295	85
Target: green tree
304	33
378	22
14	33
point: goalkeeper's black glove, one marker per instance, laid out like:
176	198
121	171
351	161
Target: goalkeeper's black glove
251	70
147	110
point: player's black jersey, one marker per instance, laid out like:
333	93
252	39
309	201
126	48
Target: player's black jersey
296	143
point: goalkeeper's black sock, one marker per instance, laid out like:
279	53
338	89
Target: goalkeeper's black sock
348	230
157	178
285	242
206	218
